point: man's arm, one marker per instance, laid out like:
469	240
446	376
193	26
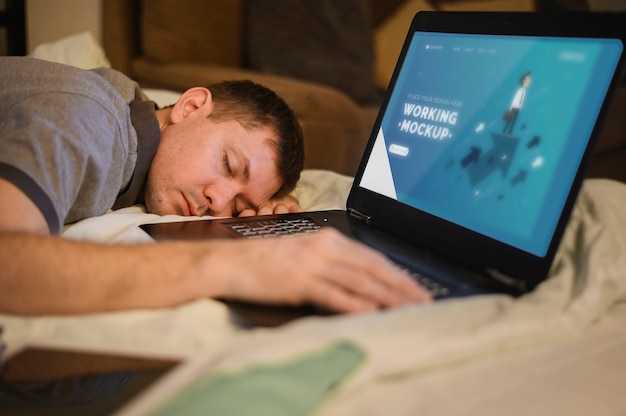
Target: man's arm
42	273
48	274
18	212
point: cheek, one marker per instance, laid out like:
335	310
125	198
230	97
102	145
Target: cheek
161	171
184	160
174	163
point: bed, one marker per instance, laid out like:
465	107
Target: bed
558	350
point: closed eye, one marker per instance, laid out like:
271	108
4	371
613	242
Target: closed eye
226	164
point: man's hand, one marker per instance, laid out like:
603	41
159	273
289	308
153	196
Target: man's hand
325	268
282	205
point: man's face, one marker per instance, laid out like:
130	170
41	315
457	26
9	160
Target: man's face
207	168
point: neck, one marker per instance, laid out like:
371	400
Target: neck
163	116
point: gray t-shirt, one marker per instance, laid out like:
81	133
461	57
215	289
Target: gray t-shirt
76	142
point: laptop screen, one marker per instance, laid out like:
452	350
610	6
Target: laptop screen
487	131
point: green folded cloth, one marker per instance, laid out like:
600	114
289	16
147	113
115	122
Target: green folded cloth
294	387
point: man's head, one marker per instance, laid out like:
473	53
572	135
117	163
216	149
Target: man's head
230	146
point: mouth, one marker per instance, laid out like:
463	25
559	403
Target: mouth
186	207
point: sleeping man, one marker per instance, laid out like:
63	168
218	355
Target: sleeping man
76	143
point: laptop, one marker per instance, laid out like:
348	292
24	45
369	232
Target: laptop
478	152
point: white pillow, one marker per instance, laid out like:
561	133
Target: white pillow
80	50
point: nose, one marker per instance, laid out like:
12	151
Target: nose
220	197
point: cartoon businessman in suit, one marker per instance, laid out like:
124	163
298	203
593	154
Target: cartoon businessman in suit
516	105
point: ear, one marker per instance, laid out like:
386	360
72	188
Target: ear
197	101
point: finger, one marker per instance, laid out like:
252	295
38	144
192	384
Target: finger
371	274
295	208
364	273
331	297
281	209
384	285
267	209
360	282
398	281
247	212
404	283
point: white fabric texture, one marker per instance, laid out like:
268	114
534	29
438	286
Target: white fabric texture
406	346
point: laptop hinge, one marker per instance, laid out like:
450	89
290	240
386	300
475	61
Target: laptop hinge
354	213
519	286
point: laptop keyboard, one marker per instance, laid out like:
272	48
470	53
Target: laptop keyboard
435	288
275	228
287	227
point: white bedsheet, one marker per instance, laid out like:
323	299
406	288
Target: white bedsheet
558	349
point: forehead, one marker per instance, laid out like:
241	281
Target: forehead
253	142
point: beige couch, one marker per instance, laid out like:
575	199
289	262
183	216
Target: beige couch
177	44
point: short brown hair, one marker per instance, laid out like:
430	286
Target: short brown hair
253	106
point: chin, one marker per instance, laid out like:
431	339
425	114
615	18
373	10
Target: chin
158	209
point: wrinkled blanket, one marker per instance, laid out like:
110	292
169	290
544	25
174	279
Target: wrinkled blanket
480	355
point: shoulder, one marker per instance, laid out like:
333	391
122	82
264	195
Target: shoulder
25	76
